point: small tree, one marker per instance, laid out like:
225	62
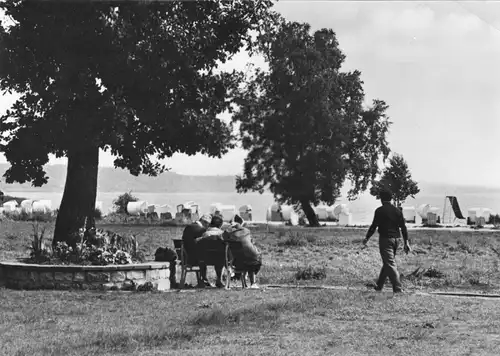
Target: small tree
122	201
304	122
396	178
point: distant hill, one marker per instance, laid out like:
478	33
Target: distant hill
119	180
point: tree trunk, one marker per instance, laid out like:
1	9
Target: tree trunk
78	201
310	213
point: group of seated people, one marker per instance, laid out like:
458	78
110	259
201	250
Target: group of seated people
206	233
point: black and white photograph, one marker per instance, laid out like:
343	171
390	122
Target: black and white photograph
249	177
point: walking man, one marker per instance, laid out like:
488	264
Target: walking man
389	220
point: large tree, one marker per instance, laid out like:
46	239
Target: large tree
304	122
137	79
396	178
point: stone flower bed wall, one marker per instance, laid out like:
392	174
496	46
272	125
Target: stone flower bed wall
18	275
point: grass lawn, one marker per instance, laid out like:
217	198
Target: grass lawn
272	321
218	322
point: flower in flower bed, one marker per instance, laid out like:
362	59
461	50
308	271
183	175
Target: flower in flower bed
63	251
122	258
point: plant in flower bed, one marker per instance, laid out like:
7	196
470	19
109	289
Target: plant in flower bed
40	252
88	247
87	254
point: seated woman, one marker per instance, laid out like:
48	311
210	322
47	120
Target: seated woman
251	260
212	240
214	231
238	221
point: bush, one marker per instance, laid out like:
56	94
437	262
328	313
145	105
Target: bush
494	220
121	202
146	287
310	272
294	239
298	239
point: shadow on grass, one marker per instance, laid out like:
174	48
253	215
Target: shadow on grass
120	342
146	338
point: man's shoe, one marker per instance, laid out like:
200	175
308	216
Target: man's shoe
374	286
398	291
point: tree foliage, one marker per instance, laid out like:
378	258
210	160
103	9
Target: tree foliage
137	79
131	78
305	124
397	179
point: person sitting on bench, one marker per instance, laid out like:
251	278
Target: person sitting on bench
212	238
190	234
252	258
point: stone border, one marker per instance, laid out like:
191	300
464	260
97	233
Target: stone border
19	275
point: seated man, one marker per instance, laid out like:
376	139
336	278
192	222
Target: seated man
190	234
251	261
212	239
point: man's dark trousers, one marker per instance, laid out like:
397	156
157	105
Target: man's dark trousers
388	247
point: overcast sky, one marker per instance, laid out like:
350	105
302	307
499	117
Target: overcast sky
436	64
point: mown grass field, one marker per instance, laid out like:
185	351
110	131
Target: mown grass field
272	321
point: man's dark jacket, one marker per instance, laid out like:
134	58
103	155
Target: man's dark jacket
190	234
389	220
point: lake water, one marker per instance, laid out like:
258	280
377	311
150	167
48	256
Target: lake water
361	209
